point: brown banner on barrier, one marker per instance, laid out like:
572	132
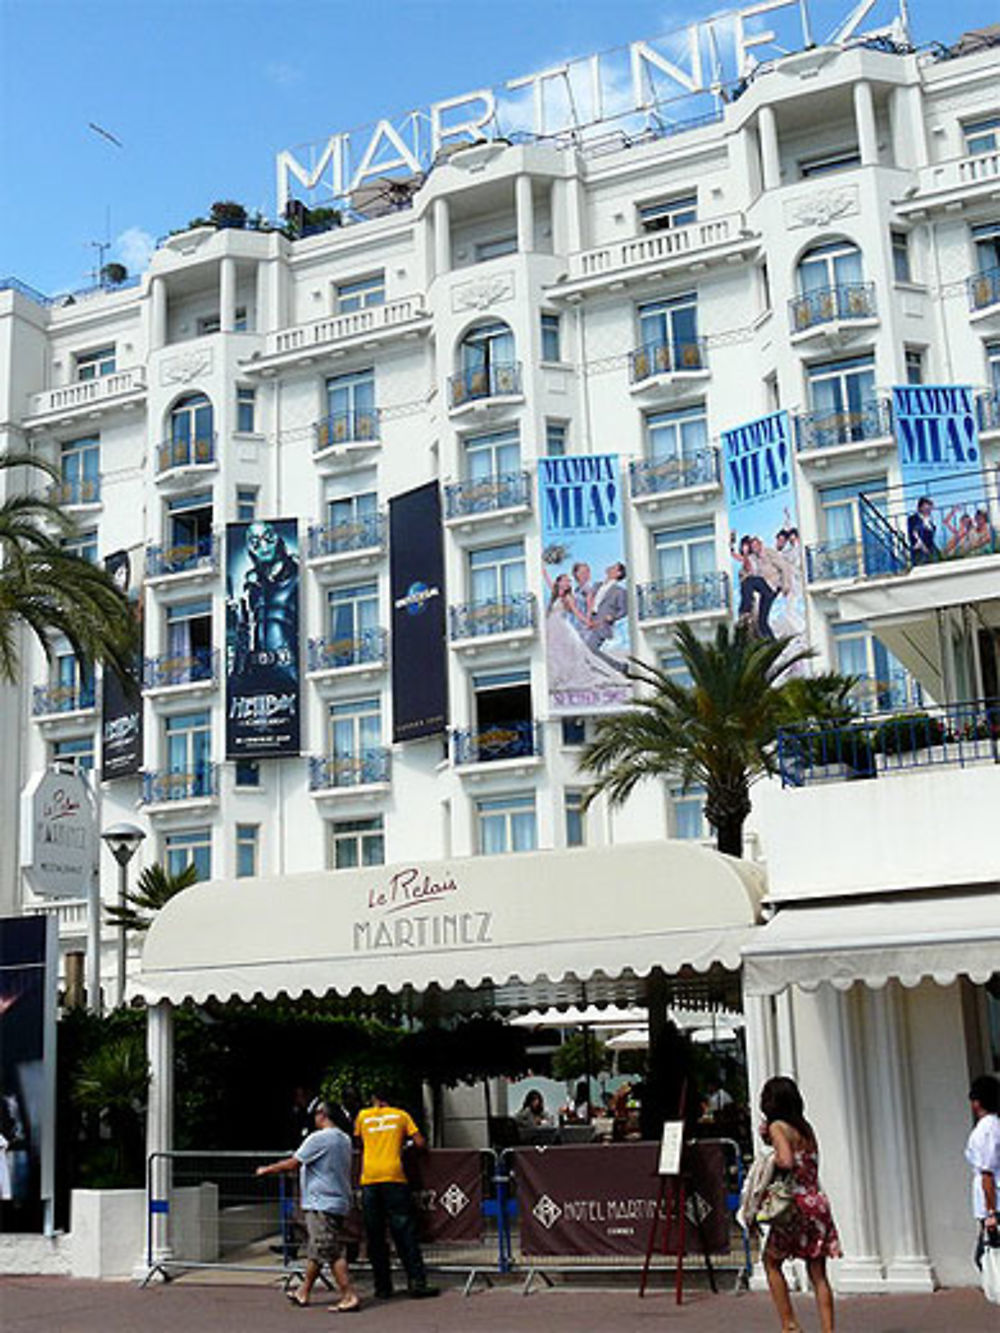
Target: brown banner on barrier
448	1195
600	1199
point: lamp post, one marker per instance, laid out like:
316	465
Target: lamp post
123	842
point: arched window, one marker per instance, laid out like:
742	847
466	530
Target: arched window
486	365
831	285
192	430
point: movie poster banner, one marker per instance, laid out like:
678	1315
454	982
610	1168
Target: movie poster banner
416	580
121	708
764	541
587	594
262	639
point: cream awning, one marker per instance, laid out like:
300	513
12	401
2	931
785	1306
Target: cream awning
484	919
938	936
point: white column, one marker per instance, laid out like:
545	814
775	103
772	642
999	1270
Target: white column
769	159
860	1269
557	212
918	124
160	1123
762	1046
864	115
442	238
740	147
525	208
574	215
158	317
908	1268
227	294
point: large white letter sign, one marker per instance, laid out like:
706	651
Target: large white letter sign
744	61
537	84
405	158
332	156
643	55
458	128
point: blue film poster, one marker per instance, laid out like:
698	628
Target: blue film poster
262	639
764	540
121	707
419	648
587	593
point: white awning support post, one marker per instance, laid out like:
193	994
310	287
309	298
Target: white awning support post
159	1130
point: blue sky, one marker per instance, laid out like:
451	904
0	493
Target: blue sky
203	93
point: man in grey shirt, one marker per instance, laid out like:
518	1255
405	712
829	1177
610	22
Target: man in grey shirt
323	1161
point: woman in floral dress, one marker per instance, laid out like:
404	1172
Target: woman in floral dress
807	1229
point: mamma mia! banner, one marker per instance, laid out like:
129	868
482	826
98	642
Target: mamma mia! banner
262	639
121	708
587	594
416	579
764	541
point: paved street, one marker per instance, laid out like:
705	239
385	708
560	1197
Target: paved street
189	1305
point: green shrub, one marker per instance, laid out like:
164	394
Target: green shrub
908	732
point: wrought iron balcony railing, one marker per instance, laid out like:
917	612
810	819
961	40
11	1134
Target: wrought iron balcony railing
180	785
347	428
199	452
834	560
349	770
963	521
825	430
197	667
487	495
828	305
370	647
500	740
183	557
500	380
984	289
360	534
684	597
47	700
988	410
654	476
474	620
667	358
78	491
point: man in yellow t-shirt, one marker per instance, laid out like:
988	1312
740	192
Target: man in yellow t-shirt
384	1131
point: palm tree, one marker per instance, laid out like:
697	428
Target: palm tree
719	732
54	591
154	889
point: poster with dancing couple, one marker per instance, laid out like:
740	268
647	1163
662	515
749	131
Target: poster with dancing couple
587	594
764	541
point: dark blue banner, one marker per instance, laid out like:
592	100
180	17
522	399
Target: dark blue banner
419	648
121	707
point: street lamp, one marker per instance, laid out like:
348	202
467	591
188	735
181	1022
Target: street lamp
123	842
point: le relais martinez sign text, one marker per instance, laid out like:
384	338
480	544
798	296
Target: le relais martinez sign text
663	81
415	910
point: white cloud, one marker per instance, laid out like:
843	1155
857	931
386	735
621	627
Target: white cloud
282	74
135	249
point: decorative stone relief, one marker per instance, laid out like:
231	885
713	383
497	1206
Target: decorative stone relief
482	293
818	210
186	366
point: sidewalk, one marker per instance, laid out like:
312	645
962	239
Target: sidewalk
193	1305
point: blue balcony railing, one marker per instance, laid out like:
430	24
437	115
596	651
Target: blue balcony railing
499	380
487	495
47	700
180	785
667	358
884	744
833	560
199	666
825	430
359	534
984	289
78	491
499	740
474	620
675	598
962	521
359	427
369	647
349	770
201	554
826	305
988	410
199	452
654	476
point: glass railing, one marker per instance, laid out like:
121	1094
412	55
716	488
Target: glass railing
185	453
49	699
360	534
500	740
674	598
198	666
349	770
473	620
901	532
833	560
487	495
500	380
667	358
183	557
825	305
654	476
371	646
347	428
988	410
826	430
78	491
180	785
984	289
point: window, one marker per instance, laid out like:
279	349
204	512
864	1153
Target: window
828	267
355	731
764	279
351	616
246	410
84	544
357	842
687	810
92	365
674	666
840	509
506	824
353	516
914	365
982	136
550	337
192	846
822	165
350	406
684	554
77	755
486	362
555	438
883	682
662	214
901	256
491	456
671	325
246	504
677	436
987	242
189	525
495	247
576	818
842	394
993	365
188	748
574	731
497	573
502	713
192	430
80	470
71	685
360	294
247	848
247	773
213	323
189	641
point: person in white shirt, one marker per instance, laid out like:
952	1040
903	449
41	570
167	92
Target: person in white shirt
982	1152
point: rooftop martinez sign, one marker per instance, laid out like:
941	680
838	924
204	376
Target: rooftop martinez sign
660	82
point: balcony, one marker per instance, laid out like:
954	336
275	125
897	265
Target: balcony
76	493
349	772
361	540
342	437
667	364
175	671
676	599
369	649
960	179
496	743
850	303
485	385
513	616
829	561
988	411
869	426
197	559
174	456
506	493
984	290
401	318
652	478
55	701
960	532
169	787
122	388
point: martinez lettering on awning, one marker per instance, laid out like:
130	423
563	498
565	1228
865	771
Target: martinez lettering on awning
473	920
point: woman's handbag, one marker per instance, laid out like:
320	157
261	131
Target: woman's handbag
991	1272
778	1200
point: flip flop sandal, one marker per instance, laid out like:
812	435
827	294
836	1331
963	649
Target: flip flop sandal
345	1307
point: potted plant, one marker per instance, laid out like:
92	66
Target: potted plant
113	274
228	213
907	734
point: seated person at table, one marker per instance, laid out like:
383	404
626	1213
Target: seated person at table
533	1114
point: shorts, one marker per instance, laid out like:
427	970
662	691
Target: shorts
325	1243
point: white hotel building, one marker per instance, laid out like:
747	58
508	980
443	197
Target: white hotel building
835	231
